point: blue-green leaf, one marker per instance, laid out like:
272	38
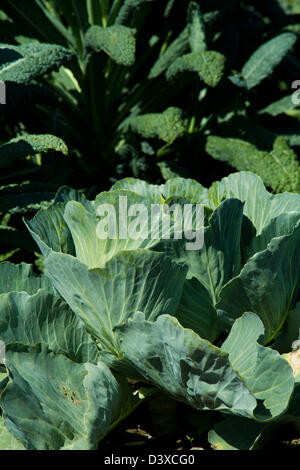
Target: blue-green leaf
268	284
242	378
52	403
50	230
235	433
131	281
265	372
7	440
21	278
21	64
262	63
182	364
45	318
260	205
210	267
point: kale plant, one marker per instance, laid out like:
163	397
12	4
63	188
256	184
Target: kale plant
98	90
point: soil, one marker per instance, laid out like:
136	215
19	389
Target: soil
139	432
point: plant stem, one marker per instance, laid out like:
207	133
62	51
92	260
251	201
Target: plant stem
96	12
114	12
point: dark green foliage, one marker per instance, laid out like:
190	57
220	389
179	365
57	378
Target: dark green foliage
279	168
116	41
167	126
123	62
29	145
22	64
208	64
145	95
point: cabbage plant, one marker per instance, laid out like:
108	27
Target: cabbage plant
215	328
152	89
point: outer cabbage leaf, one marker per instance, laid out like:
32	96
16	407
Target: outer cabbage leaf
95	251
196	310
265	372
268	284
190	369
260	205
186	188
235	433
50	230
20	277
209	268
289	335
70	225
52	403
141	188
45	318
73	227
182	187
281	225
66	194
219	259
7	440
131	281
182	364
